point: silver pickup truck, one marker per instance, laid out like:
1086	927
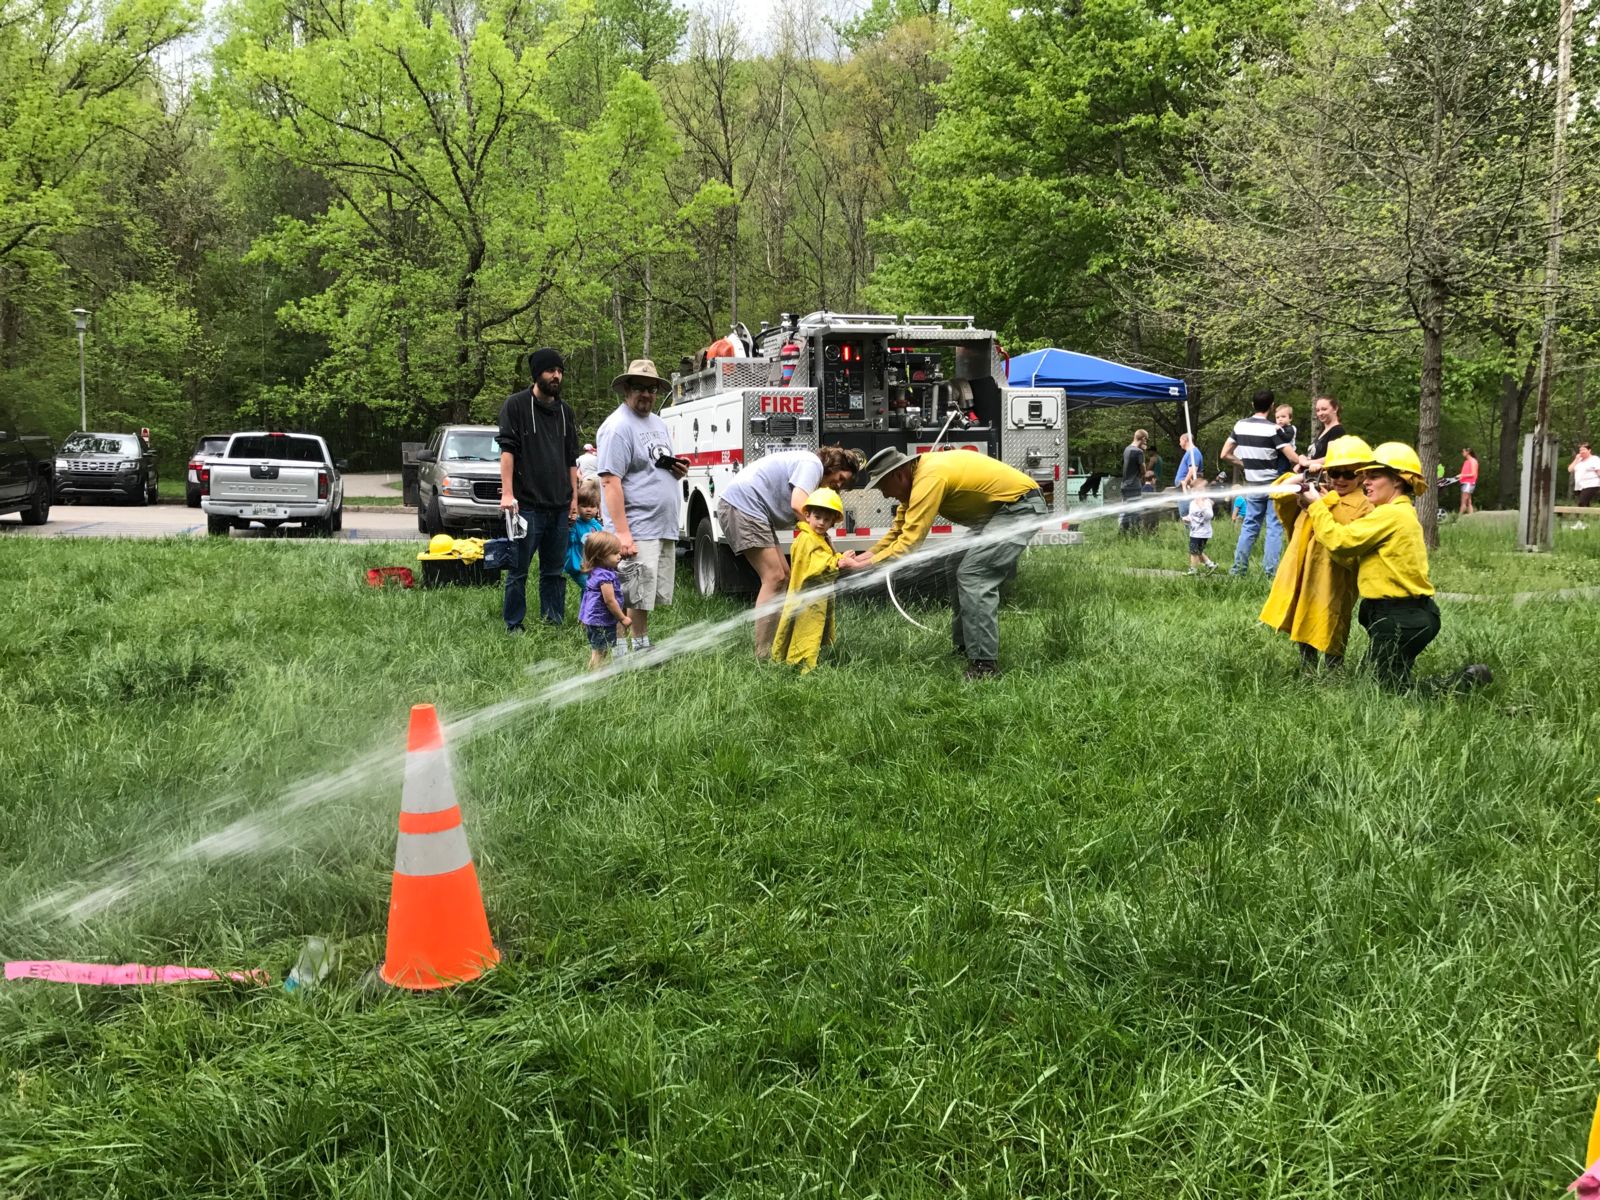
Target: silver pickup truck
273	479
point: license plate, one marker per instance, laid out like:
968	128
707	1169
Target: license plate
1057	537
267	510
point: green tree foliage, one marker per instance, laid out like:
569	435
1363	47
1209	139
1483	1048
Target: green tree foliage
464	201
1382	183
1062	127
79	101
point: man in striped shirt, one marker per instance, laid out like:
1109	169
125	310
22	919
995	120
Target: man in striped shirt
1254	446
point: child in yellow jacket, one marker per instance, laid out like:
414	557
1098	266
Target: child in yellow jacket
1313	595
806	624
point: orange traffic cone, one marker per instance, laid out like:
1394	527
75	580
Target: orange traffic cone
438	932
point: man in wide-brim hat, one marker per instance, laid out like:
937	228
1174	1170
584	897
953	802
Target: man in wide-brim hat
997	503
639	488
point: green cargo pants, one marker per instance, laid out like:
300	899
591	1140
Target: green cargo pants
974	576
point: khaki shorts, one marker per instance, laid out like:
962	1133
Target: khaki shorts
743	532
647	577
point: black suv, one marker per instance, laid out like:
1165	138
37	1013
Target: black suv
106	466
25	466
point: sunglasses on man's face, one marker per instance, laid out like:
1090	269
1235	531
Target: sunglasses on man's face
1341	475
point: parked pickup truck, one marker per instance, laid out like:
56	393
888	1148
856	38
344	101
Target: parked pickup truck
273	479
458	485
26	481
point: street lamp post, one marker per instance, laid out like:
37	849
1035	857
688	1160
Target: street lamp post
81	316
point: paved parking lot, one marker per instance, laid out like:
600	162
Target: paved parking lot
177	520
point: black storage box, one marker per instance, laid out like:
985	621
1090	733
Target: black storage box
449	571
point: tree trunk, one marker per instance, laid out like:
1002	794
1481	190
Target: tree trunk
10	321
649	309
1433	310
1581	420
462	386
616	322
1540	521
733	270
1513	399
1191	372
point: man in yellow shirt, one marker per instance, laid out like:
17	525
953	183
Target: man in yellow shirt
970	489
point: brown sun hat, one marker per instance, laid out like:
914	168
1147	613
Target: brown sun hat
640	370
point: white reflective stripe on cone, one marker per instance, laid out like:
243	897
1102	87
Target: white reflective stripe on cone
428	787
432	853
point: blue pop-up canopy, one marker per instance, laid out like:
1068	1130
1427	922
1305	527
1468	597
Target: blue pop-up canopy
1092	382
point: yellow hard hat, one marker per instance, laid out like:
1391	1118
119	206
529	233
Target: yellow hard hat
1347	451
826	498
1402	460
441	543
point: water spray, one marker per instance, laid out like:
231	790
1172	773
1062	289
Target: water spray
120	881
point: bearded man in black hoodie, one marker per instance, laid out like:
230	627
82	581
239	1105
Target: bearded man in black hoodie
539	479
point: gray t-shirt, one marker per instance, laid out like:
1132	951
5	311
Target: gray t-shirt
763	491
628	446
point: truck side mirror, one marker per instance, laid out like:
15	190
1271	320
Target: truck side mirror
341	464
426	456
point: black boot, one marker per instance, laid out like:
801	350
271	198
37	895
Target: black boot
982	668
1471	676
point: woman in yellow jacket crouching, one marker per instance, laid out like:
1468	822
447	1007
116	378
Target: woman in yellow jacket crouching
1391	561
1313	594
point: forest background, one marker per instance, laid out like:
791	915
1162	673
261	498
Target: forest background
356	216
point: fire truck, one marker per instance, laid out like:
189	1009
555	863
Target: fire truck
864	381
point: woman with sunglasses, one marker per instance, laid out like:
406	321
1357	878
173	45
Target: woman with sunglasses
1391	560
1313	595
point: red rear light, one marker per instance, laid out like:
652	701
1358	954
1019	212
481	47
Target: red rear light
1058	472
322	485
205	480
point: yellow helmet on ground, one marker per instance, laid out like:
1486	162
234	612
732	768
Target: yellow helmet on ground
441	543
1347	451
826	498
1402	460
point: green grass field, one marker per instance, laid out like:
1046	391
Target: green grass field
1150	916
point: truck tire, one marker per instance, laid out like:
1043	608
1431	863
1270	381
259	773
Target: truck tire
718	571
336	522
218	526
435	519
38	512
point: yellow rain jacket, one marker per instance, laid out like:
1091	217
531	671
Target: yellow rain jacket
806	625
1593	1151
1312	595
1390	556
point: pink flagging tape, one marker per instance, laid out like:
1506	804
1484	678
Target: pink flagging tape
106	975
